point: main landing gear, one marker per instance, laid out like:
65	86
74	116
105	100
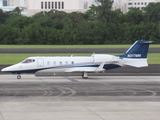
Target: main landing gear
18	76
84	75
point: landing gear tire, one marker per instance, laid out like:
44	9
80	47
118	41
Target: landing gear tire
18	76
84	75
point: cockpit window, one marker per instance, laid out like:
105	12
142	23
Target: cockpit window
28	61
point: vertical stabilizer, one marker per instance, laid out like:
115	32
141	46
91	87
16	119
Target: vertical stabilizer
138	50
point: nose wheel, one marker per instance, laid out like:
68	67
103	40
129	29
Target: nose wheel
18	76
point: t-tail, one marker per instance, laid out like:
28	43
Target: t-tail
136	55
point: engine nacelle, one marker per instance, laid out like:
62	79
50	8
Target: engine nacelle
104	58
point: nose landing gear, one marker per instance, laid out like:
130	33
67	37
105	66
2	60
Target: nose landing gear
18	76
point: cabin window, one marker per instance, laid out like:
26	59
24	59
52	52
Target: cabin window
72	62
60	62
54	63
48	63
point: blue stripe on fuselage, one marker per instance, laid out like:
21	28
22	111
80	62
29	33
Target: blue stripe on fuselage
60	67
106	67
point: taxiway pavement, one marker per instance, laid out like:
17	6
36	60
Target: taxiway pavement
70	50
74	98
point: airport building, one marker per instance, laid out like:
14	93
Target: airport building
126	5
140	4
35	6
9	5
31	7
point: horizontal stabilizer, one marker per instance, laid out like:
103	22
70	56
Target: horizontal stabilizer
136	63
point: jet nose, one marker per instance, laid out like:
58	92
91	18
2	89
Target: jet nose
11	68
8	69
4	70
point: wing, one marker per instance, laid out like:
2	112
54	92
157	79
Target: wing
81	69
87	69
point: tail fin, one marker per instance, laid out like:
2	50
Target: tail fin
136	55
138	50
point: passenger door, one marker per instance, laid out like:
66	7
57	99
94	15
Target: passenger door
40	62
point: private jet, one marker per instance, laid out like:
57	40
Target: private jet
135	56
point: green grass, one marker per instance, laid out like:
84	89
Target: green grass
72	46
6	59
15	58
154	58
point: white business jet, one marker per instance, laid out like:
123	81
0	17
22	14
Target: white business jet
135	56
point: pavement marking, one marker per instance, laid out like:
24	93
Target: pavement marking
1	116
96	114
71	79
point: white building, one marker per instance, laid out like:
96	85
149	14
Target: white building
30	7
126	5
9	5
140	4
35	6
120	4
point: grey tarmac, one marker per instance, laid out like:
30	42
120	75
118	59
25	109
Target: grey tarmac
74	98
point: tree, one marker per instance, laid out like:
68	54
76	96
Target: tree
152	13
72	20
135	16
103	10
3	16
19	21
91	13
16	11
